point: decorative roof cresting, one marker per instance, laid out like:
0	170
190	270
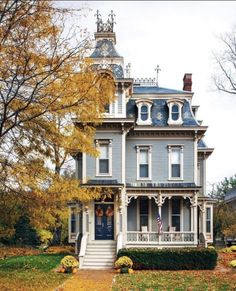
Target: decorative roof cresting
105	26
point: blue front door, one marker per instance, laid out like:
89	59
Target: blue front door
104	221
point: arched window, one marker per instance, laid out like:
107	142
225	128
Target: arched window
175	112
144	112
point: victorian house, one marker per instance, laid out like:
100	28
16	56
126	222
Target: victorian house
152	157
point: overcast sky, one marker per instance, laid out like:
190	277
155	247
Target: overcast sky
180	37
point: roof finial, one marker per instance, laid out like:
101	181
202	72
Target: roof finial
105	27
157	69
99	21
128	70
112	22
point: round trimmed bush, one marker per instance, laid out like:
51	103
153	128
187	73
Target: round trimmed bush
124	262
69	263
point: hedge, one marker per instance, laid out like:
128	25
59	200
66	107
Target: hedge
170	258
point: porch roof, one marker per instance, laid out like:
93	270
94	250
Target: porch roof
103	183
163	185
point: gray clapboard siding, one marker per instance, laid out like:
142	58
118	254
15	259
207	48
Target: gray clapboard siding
159	159
132	215
200	173
119	102
186	216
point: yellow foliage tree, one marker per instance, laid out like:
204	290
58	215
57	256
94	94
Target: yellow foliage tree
45	83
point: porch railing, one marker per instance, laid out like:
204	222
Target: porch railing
164	238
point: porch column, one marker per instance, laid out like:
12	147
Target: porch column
123	217
195	218
195	224
204	219
191	213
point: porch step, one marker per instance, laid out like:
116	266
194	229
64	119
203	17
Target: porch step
99	255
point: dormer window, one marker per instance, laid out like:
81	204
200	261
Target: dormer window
175	112
144	112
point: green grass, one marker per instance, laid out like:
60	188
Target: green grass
175	280
31	272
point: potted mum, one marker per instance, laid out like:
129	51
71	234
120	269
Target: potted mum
124	264
69	264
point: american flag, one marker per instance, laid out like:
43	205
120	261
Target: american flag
159	223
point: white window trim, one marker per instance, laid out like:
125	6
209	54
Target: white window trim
109	143
139	104
149	149
108	114
181	147
180	104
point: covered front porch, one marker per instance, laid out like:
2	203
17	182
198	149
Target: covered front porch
167	218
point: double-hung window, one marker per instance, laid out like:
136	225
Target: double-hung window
103	161
175	112
175	162
143	162
144	112
143	207
208	219
176	214
73	227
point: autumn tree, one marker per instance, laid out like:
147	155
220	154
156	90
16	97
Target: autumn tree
220	189
224	215
45	82
225	78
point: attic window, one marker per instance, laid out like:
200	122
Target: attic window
175	111
144	112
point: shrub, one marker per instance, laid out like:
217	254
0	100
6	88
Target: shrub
124	262
233	248
233	264
171	259
45	236
25	234
69	263
211	247
226	250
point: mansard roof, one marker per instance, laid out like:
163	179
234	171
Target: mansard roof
160	112
116	70
105	49
201	144
157	90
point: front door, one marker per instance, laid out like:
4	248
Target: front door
104	221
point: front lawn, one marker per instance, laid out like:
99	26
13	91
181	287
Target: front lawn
176	280
31	272
223	278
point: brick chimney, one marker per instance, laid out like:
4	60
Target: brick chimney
187	82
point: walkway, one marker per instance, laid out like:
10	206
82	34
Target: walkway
96	280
